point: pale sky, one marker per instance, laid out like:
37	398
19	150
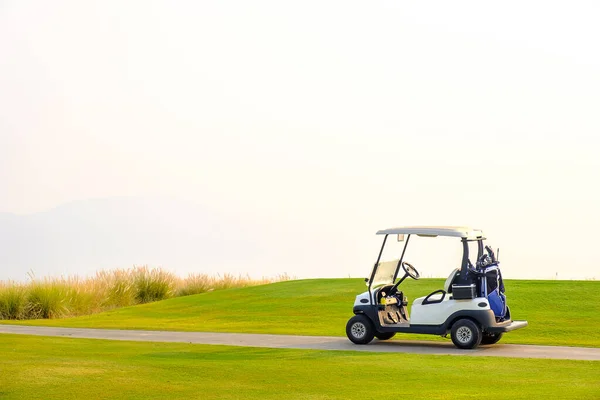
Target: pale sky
321	119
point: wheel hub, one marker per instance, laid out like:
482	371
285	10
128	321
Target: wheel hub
358	330
464	334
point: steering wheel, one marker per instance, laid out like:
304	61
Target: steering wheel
411	271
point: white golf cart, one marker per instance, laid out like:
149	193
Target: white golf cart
471	306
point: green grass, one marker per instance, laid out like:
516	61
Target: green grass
60	368
559	312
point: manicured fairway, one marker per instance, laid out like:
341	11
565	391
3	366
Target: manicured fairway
559	312
58	368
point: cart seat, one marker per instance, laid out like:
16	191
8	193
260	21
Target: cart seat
451	278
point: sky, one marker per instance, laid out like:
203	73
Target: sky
325	120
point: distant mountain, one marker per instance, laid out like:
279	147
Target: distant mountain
85	236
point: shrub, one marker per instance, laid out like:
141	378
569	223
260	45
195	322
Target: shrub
47	299
195	284
153	284
119	290
83	296
12	301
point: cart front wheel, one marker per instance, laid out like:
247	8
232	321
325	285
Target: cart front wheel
359	329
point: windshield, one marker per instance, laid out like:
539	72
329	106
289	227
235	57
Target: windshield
385	273
388	263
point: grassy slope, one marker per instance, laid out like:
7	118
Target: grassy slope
59	368
559	312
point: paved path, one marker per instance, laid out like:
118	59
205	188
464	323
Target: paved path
311	342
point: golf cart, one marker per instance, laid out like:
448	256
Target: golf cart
471	306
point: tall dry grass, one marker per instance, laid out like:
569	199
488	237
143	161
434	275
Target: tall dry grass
201	283
13	300
73	296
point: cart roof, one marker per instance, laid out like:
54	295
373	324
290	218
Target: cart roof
454	231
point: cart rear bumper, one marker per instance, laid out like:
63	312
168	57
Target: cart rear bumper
506	326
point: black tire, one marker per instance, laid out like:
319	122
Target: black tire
491	338
465	334
384	335
360	330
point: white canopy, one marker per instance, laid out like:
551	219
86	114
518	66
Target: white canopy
454	231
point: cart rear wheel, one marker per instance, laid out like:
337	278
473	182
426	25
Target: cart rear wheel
466	334
384	335
360	330
491	338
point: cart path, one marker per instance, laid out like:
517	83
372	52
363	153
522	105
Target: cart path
311	342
